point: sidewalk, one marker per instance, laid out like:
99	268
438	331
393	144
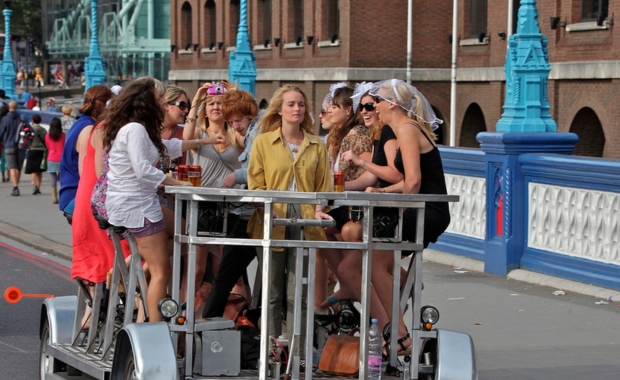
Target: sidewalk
33	220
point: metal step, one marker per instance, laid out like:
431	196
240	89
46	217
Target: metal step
77	358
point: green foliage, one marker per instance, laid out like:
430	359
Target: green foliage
26	19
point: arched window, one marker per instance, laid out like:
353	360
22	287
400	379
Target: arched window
333	19
478	18
588	127
473	123
264	18
233	26
186	25
211	25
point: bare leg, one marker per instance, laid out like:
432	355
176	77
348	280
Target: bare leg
153	250
320	279
382	281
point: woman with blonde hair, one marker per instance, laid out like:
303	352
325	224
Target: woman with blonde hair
205	118
288	156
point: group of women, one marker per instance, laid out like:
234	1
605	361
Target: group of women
380	136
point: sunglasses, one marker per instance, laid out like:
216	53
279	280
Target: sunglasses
370	106
323	112
182	105
379	99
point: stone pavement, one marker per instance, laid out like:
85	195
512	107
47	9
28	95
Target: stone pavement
33	220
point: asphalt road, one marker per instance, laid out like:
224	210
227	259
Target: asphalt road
32	272
520	331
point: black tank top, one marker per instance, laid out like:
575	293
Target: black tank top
431	168
378	156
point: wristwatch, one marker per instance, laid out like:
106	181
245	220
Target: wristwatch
197	143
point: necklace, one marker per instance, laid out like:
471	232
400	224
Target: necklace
294	148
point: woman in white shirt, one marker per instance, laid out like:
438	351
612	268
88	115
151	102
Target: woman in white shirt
132	136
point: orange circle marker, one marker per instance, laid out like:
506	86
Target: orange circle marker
13	294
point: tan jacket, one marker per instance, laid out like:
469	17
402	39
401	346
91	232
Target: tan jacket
272	168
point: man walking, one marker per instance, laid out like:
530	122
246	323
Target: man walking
9	129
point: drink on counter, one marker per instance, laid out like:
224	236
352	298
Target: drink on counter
339	182
194	175
182	171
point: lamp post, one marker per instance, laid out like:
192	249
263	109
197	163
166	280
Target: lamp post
242	64
8	66
95	71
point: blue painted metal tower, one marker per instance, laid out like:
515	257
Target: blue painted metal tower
242	64
526	108
7	73
521	130
94	64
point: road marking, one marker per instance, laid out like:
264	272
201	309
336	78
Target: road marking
48	265
17	349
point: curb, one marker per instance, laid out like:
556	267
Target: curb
523	275
35	241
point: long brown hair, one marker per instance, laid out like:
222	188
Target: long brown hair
272	119
137	102
55	129
95	100
342	99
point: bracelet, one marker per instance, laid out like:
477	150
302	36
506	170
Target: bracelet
315	211
197	143
191	119
364	164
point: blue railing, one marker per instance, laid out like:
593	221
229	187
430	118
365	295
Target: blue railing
569	213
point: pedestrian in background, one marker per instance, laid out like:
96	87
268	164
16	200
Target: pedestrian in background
5	176
36	154
67	118
55	142
9	129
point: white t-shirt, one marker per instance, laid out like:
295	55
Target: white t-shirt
133	178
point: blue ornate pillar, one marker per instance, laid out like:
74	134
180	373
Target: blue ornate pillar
94	64
8	66
242	64
525	127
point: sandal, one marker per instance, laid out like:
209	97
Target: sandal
402	349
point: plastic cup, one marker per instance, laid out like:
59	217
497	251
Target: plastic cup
194	178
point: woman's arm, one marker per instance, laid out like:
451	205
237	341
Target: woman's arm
176	147
367	179
387	173
190	132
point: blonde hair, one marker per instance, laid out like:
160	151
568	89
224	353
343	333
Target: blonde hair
203	120
401	91
67	110
173	93
272	120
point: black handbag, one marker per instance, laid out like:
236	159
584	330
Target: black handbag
385	221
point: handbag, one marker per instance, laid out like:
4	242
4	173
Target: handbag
384	222
341	355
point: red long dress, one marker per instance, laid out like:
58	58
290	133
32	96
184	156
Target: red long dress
93	251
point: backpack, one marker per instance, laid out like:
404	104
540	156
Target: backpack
25	134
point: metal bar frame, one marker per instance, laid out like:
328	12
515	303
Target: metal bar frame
192	195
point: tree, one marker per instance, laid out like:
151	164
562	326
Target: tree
26	19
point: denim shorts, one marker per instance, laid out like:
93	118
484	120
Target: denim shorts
148	229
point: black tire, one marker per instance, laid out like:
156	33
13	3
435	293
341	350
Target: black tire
47	363
126	365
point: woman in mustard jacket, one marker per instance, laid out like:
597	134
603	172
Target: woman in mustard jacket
287	156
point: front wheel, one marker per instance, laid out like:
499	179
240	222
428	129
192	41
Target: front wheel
126	369
47	363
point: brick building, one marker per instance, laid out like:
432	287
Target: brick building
315	43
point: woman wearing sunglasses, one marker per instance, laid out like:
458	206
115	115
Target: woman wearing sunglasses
419	161
380	169
178	108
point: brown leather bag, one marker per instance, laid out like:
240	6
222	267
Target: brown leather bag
341	355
